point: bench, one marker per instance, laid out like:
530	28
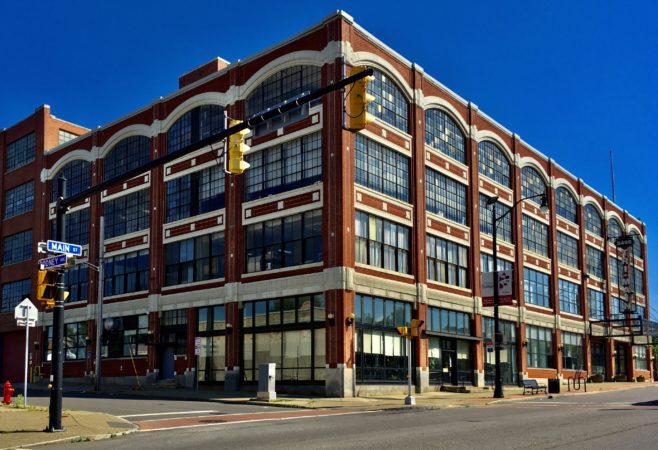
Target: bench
533	387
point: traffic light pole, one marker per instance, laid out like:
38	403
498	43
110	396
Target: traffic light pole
57	359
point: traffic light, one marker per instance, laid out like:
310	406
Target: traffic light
415	327
46	287
403	331
359	117
236	150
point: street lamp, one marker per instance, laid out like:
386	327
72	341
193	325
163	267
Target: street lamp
491	201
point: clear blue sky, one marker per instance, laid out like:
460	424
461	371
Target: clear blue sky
575	79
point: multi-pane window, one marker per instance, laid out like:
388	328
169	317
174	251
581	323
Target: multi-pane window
640	354
493	163
532	184
637	247
382	243
20	152
287	331
127	155
593	220
486	263
567	249
443	134
173	330
614	264
640	310
536	288
17	248
381	351
127	273
447	262
448	321
595	304
619	307
19	200
614	230
196	259
389	104
76	281
540	347
569	297
65	136
594	259
535	236
211	328
78	176
76	226
503	224
127	337
572	351
281	86
75	341
565	204
284	242
445	196
638	281
284	167
381	168
195	193
194	126
13	293
127	214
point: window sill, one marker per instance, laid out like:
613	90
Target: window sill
282	270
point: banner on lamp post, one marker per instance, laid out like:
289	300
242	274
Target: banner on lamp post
504	288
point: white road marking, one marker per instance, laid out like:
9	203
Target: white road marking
169	413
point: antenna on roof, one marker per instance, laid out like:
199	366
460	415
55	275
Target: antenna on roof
612	177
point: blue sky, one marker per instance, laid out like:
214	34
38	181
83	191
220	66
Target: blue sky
575	79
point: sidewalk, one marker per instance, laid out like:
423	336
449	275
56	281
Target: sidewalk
24	427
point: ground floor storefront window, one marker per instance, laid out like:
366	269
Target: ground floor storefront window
211	329
620	359
450	361
598	359
508	355
125	337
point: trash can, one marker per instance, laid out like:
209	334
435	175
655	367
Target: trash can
553	385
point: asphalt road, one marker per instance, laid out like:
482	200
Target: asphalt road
617	420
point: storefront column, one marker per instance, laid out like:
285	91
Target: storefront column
610	359
340	344
478	352
420	353
152	359
233	346
522	347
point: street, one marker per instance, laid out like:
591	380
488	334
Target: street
624	419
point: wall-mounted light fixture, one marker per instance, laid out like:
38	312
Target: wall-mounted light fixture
331	316
350	319
560	348
524	343
229	325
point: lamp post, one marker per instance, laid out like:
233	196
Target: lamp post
491	201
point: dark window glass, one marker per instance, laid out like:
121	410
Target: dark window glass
569	297
504	225
594	259
595	304
615	266
493	163
17	248
127	155
565	204
284	167
536	288
445	196
615	230
540	347
126	338
76	281
638	281
532	184
572	351
381	169
389	104
637	247
13	293
447	262
567	250
75	341
78	176
196	259
382	243
486	263
447	321
535	236
195	193
443	134
19	200
127	214
77	227
593	220
194	126
20	152
126	273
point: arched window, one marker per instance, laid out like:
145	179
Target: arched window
390	104
614	230
443	134
195	125
128	154
282	86
592	220
565	204
77	176
637	246
493	163
532	184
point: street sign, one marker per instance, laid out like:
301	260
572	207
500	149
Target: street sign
504	287
625	241
64	247
490	346
26	310
197	346
52	262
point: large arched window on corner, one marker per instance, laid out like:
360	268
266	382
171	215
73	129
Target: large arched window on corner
565	204
443	134
281	86
614	230
194	126
532	184
128	154
593	220
390	104
493	163
77	176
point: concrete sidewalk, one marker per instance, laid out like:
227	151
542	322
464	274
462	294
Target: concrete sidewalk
24	427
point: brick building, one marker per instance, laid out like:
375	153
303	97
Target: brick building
331	239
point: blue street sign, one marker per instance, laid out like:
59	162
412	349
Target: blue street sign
64	247
55	261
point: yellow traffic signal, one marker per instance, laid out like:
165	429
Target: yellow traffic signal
236	150
46	287
359	117
403	331
415	327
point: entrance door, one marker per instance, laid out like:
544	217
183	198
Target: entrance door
620	359
449	362
167	363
